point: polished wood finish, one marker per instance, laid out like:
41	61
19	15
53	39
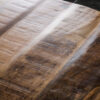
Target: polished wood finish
38	41
81	81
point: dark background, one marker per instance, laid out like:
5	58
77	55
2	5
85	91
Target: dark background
90	3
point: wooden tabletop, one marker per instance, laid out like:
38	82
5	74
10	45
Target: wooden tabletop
49	50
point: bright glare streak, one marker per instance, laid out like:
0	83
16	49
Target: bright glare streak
65	14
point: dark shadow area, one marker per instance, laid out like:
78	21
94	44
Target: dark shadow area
95	4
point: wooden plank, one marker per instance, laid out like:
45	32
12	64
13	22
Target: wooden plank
81	80
35	49
38	62
13	11
21	34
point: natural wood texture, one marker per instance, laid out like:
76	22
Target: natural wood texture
13	11
24	32
37	45
81	81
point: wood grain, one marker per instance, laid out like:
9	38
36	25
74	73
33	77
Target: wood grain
81	81
21	34
13	11
36	47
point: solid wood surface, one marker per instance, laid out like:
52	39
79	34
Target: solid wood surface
37	39
82	79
